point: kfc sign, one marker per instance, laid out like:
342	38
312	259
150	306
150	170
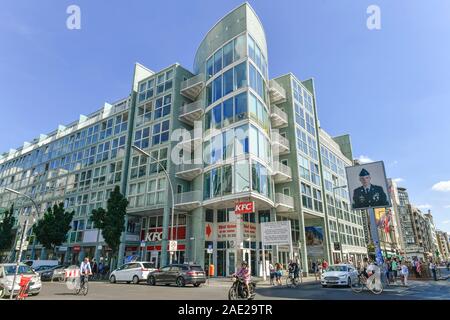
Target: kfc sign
244	207
156	234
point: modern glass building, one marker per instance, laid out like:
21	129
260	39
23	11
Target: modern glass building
224	133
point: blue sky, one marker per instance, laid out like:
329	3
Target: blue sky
388	88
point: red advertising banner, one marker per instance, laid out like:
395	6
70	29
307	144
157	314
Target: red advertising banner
244	207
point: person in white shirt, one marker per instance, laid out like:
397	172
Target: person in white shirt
404	272
85	270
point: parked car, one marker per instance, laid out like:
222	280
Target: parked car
132	272
38	263
50	273
7	271
338	275
179	274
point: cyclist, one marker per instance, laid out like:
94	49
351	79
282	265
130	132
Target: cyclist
244	273
364	266
85	270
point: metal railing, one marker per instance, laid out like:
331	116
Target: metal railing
273	85
188	197
188	108
192	81
189	166
283	115
284	169
283	199
278	138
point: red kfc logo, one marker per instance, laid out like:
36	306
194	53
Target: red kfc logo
244	207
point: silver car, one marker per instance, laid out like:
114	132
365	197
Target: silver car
339	275
7	271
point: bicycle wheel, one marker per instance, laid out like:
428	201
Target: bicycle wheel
357	286
85	288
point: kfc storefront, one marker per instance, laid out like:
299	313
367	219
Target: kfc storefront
152	235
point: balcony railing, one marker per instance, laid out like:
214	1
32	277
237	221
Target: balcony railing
280	143
189	171
192	87
277	92
188	200
284	202
282	173
191	112
279	117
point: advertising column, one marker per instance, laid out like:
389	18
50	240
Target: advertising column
367	186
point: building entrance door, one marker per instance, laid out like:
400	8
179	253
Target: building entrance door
153	258
231	258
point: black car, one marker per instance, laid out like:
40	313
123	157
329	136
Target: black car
52	273
179	274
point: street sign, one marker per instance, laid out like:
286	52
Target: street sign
24	246
173	245
276	233
210	249
244	207
62	249
142	244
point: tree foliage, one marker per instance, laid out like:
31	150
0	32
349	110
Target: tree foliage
111	221
51	230
6	229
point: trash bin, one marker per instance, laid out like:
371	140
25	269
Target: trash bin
211	270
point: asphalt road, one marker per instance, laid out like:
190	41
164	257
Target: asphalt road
218	291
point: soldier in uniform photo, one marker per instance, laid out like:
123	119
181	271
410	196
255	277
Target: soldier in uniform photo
368	195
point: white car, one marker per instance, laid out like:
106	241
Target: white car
7	271
132	272
339	275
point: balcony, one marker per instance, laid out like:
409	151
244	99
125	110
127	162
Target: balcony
189	171
191	140
191	112
281	172
284	203
192	87
280	144
188	200
276	92
278	117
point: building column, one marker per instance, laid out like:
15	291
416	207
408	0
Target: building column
165	237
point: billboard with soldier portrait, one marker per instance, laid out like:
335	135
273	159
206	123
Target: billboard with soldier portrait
367	186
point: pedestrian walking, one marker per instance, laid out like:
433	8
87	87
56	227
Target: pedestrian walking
404	273
279	272
394	270
94	266
433	269
272	273
324	265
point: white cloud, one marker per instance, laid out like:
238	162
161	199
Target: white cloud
443	186
398	180
364	159
447	207
446	221
424	206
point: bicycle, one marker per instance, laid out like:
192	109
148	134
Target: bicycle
373	284
82	286
291	281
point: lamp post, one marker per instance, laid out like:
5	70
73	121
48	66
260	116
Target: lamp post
195	249
22	237
164	246
337	219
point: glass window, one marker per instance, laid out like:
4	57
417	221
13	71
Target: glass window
207	186
240	75
252	76
209	68
228	82
208	120
209	94
242	176
218	61
216	175
241	134
253	140
228	54
217	88
217	116
255	177
227	180
251	48
209	215
257	57
239	47
240	104
228	112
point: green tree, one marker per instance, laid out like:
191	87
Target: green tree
111	221
6	229
51	230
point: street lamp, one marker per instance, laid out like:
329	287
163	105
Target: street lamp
146	154
195	249
337	219
22	237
